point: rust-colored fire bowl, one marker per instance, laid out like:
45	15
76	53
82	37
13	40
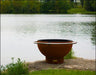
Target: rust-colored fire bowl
54	49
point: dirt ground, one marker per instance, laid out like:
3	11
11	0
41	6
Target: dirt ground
79	63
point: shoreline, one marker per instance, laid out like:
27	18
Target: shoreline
75	64
46	14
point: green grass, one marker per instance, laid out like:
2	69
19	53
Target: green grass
80	11
62	72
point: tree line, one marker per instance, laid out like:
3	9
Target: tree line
25	6
33	6
89	5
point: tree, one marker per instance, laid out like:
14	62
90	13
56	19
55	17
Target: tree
72	0
62	6
6	7
90	5
82	2
17	6
93	5
33	7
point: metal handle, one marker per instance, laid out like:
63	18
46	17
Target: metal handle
53	43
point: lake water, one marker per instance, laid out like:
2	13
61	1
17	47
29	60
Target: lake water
18	33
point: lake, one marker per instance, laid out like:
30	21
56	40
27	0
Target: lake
18	33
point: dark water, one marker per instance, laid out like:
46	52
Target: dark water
18	33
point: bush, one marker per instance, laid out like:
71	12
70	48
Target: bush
18	68
70	55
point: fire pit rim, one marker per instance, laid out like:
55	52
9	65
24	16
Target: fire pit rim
65	41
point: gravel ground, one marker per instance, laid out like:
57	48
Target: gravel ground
79	63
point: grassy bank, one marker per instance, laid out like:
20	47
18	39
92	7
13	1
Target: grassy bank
21	68
62	72
80	11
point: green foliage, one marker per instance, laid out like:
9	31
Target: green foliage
22	6
18	68
17	6
82	2
62	72
56	7
45	7
70	55
80	11
90	5
62	6
76	10
6	7
93	36
32	6
51	6
93	5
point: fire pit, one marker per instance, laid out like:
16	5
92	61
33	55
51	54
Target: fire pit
54	49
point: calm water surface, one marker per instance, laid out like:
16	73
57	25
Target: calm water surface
18	33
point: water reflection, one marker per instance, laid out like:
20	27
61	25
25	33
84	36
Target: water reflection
26	29
93	33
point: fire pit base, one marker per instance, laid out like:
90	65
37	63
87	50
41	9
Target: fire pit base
54	60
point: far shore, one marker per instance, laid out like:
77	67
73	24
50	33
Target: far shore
93	13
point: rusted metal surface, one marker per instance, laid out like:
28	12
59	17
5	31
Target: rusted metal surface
55	49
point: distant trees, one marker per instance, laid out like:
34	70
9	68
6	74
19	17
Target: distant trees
22	6
60	6
82	2
72	0
33	6
6	7
49	6
90	5
17	6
